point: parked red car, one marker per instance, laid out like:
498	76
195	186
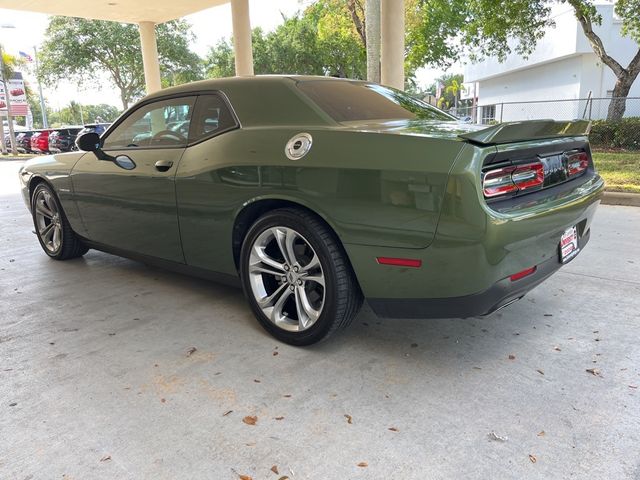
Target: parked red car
40	141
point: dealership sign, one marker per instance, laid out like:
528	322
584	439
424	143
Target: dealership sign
17	96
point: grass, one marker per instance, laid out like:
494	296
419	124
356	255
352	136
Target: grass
620	170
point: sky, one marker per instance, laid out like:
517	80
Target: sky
209	26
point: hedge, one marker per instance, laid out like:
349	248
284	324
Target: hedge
623	133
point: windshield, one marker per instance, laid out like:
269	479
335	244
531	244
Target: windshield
346	101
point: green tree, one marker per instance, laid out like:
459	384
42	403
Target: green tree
77	114
441	32
82	50
321	40
451	89
629	13
10	63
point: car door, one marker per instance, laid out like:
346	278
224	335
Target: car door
130	204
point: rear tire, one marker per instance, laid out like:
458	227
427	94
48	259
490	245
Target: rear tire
53	230
297	278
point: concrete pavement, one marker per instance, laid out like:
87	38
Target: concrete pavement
97	379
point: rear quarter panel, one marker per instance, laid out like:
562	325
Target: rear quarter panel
373	189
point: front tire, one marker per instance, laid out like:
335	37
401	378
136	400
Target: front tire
52	228
297	278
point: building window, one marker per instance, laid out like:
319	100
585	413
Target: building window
488	113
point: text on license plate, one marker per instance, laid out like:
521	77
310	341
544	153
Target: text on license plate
569	244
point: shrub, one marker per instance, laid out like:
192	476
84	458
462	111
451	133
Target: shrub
623	133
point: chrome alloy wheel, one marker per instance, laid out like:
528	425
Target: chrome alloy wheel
48	221
286	279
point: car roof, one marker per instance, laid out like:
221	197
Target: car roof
279	102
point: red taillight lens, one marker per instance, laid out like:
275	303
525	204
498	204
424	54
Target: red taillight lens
577	163
498	182
513	179
528	176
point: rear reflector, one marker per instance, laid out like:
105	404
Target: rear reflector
400	262
522	274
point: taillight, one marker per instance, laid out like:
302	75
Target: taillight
513	179
498	182
577	163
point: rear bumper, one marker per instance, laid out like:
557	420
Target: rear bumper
499	295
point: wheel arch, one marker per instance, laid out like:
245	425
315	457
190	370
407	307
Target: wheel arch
255	208
36	180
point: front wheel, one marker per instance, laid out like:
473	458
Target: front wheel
297	278
54	233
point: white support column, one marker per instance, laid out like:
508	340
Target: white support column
150	56
392	43
242	37
372	24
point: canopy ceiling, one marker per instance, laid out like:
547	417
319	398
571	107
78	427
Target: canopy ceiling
126	11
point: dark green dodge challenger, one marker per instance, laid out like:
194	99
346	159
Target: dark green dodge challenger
315	193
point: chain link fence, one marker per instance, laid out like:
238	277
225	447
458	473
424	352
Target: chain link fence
624	133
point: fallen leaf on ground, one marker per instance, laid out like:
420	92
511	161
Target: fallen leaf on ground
394	429
477	368
275	353
227	413
256	380
363	464
191	351
533	458
287	396
250	420
541	434
106	458
163	400
274	469
512	357
557	349
497	438
633	386
284	478
594	371
279	418
349	418
548	314
540	372
245	477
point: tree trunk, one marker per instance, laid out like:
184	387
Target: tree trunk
618	103
624	76
124	98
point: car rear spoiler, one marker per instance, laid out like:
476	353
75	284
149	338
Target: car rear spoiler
509	132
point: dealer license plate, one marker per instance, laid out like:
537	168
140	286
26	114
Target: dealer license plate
569	244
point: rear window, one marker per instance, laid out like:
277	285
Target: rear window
346	101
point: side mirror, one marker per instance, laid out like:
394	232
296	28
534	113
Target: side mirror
88	142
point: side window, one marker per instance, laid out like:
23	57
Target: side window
162	123
211	116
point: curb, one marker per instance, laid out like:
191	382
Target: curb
621	198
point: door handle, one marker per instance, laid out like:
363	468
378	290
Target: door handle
163	165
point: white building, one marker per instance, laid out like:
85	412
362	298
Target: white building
558	76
